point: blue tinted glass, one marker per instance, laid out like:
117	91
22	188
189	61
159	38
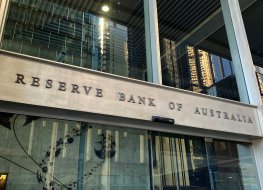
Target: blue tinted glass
226	67
218	74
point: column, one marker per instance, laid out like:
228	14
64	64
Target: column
244	69
154	72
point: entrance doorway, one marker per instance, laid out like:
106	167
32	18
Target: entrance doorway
179	162
183	162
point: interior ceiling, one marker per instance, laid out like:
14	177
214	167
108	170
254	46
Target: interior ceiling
120	10
177	18
254	28
252	17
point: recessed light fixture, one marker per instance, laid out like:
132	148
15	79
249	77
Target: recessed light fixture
105	8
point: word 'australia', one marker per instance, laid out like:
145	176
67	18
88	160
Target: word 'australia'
59	85
223	115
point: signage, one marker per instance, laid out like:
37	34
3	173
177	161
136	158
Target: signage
31	81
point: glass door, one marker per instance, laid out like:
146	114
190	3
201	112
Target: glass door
231	165
53	154
179	162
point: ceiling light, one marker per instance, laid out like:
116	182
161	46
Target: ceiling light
105	8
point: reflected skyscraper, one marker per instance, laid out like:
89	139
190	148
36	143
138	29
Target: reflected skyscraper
205	68
192	61
169	61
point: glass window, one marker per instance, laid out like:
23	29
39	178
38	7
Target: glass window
107	36
251	18
232	166
194	48
52	154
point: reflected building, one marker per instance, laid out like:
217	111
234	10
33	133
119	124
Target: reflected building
170	63
72	119
198	71
81	38
206	74
113	52
192	61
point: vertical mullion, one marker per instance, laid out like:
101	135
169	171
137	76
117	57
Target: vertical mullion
240	52
152	42
244	69
81	160
209	165
151	158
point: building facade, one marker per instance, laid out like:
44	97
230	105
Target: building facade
131	94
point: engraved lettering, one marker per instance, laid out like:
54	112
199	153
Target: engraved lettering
238	118
35	81
75	88
249	120
171	105
87	89
226	115
218	114
151	103
122	97
141	100
19	79
204	111
197	111
212	113
131	99
99	92
62	86
233	117
49	83
244	119
179	107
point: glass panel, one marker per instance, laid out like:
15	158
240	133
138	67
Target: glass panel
107	36
194	48
232	166
116	158
179	162
251	18
51	154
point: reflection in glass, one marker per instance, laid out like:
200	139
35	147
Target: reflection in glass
80	33
51	154
179	162
232	166
260	83
194	48
217	68
120	160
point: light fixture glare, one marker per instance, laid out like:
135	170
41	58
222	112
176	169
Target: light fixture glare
105	8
